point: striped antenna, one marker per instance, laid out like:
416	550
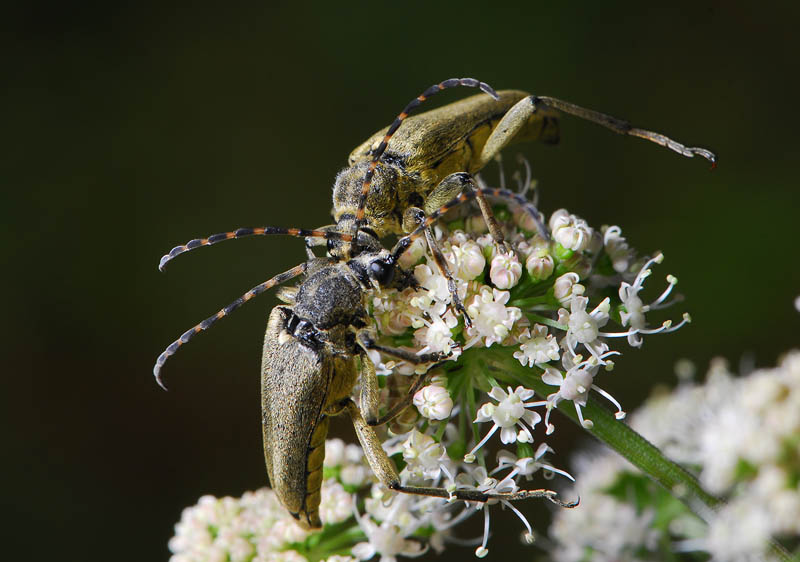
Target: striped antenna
624	128
211	320
403	244
433	90
242	232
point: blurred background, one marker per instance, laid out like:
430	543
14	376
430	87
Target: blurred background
130	128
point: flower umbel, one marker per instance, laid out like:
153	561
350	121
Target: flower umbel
542	312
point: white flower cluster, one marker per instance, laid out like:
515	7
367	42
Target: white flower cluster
555	310
740	435
550	304
256	527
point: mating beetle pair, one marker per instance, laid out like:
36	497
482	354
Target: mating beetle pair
316	344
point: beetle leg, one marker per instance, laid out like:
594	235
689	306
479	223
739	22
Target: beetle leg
519	121
366	342
370	402
370	399
525	119
401	404
405	242
415	216
441	264
384	469
449	188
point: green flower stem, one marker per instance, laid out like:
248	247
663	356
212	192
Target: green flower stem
500	363
335	541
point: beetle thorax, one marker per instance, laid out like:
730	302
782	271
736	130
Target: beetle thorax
331	296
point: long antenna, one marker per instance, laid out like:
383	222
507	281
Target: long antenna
242	232
211	320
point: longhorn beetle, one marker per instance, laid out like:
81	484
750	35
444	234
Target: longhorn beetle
389	189
312	350
314	345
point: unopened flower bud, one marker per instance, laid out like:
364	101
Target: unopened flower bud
488	246
540	267
562	288
570	231
505	271
434	402
467	260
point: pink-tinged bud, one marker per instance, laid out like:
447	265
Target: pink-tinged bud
570	231
562	288
505	271
540	265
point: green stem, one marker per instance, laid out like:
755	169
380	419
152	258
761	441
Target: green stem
531	301
616	434
335	543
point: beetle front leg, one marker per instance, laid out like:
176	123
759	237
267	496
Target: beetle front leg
365	340
415	216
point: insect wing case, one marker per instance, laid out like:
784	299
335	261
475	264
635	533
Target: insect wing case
295	381
445	140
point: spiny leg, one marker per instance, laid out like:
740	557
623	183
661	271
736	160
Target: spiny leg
384	469
625	128
441	265
449	188
370	400
435	89
370	391
242	232
364	339
517	118
405	242
211	320
412	217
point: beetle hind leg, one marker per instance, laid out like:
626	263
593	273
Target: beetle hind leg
370	403
384	469
537	117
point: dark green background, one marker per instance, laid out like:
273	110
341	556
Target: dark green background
127	130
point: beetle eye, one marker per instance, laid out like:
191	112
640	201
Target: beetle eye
382	271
